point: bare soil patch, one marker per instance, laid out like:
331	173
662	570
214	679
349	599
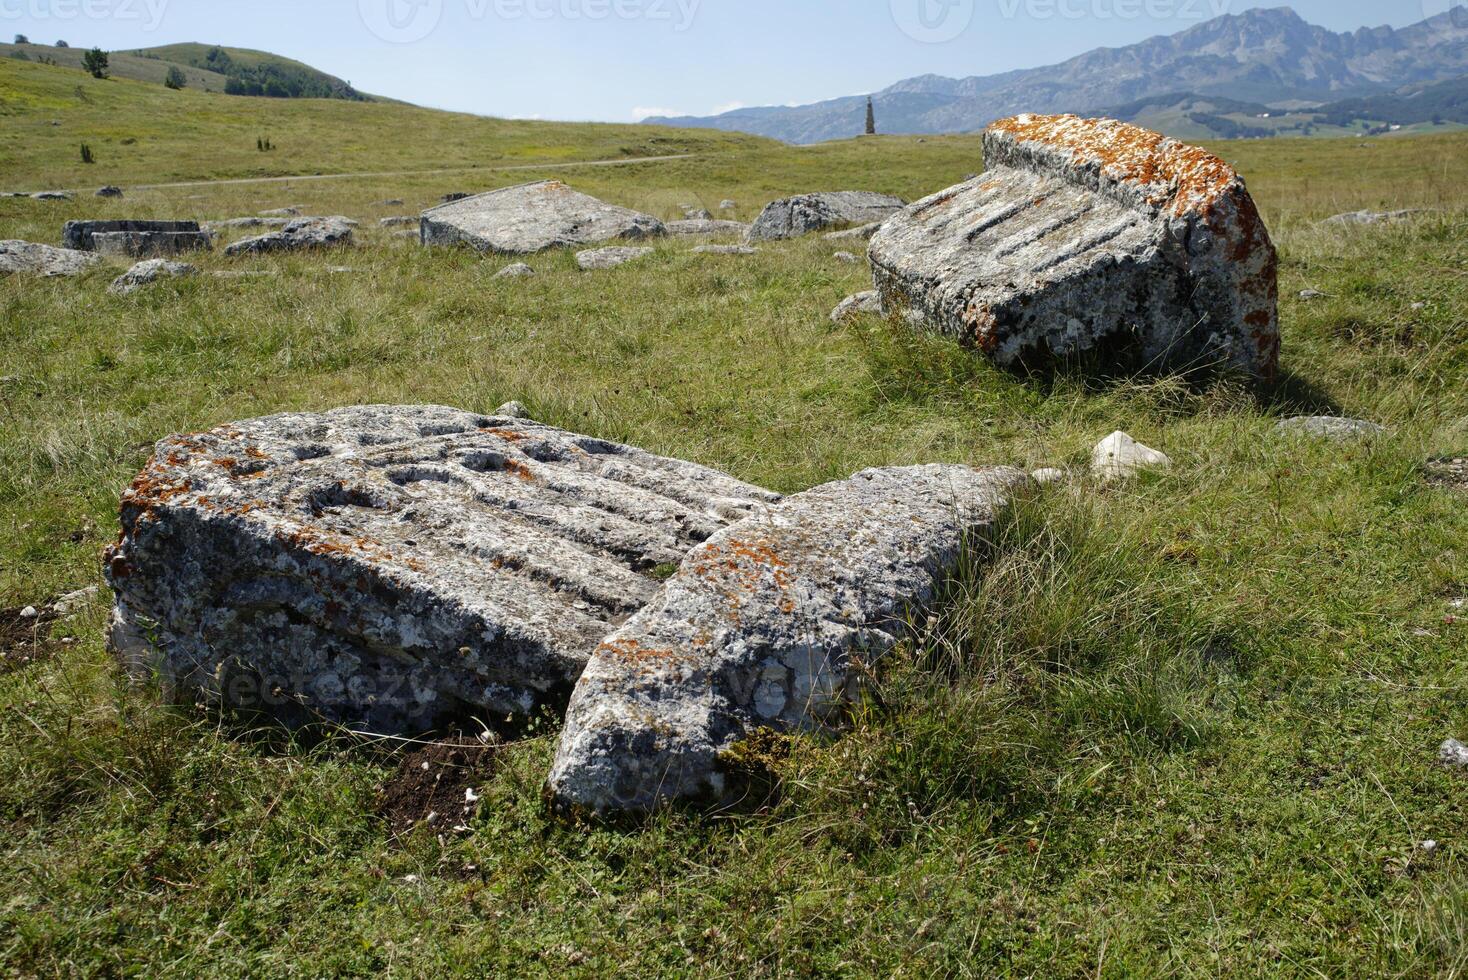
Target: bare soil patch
437	785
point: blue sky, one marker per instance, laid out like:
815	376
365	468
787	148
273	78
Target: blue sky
618	60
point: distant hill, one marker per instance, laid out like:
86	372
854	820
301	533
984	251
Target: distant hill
1265	57
206	68
250	72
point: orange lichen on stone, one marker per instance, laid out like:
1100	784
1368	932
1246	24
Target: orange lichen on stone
1186	179
634	653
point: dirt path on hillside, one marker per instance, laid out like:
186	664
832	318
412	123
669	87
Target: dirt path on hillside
414	173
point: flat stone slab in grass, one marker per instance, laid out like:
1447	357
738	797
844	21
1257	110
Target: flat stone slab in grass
796	216
43	260
300	234
399	221
708	227
1330	427
1373	217
867	302
760	628
517	271
533	217
1085	233
82	234
610	258
725	250
147	273
391	568
861	233
142	244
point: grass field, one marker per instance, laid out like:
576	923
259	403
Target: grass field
1184	726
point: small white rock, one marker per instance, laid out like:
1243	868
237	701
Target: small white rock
1309	294
512	410
29	612
1430	846
1419	306
1119	456
1045	477
1453	753
846	257
514	271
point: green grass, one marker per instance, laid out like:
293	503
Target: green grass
1184	726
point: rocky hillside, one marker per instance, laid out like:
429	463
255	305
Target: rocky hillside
1263	56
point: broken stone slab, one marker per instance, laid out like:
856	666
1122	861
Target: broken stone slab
1453	754
846	257
697	214
707	227
513	410
82	235
291	212
301	234
148	272
1329	427
141	244
51	196
399	221
516	271
725	250
109	191
1119	456
861	233
533	217
609	258
767	625
867	302
453	196
43	260
796	216
391	568
1084	232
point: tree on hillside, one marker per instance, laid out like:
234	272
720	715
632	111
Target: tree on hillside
176	78
95	61
871	118
22	39
62	44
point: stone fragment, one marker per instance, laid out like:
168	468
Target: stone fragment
534	217
30	612
391	568
861	233
1119	456
43	260
1453	754
767	625
1085	232
1328	427
609	258
512	410
515	271
399	221
453	196
725	250
395	202
727	205
1309	294
83	234
1373	217
406	235
846	257
75	603
796	216
281	213
867	302
51	196
1049	475
301	234
707	227
147	273
109	191
697	214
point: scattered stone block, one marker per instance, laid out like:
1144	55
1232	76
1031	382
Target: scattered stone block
697	214
51	196
867	302
147	273
1119	456
708	227
1085	232
516	271
796	216
399	221
725	250
512	410
534	217
846	257
301	234
392	568
82	235
43	260
727	205
609	258
109	191
1048	476
1453	754
861	233
1328	427
140	244
765	626
1308	294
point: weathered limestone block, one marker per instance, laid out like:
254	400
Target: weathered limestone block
1085	231
610	258
531	218
82	235
759	629
707	226
298	235
145	244
148	272
43	260
864	302
391	568
796	216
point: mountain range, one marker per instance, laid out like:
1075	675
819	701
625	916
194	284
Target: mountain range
1265	57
